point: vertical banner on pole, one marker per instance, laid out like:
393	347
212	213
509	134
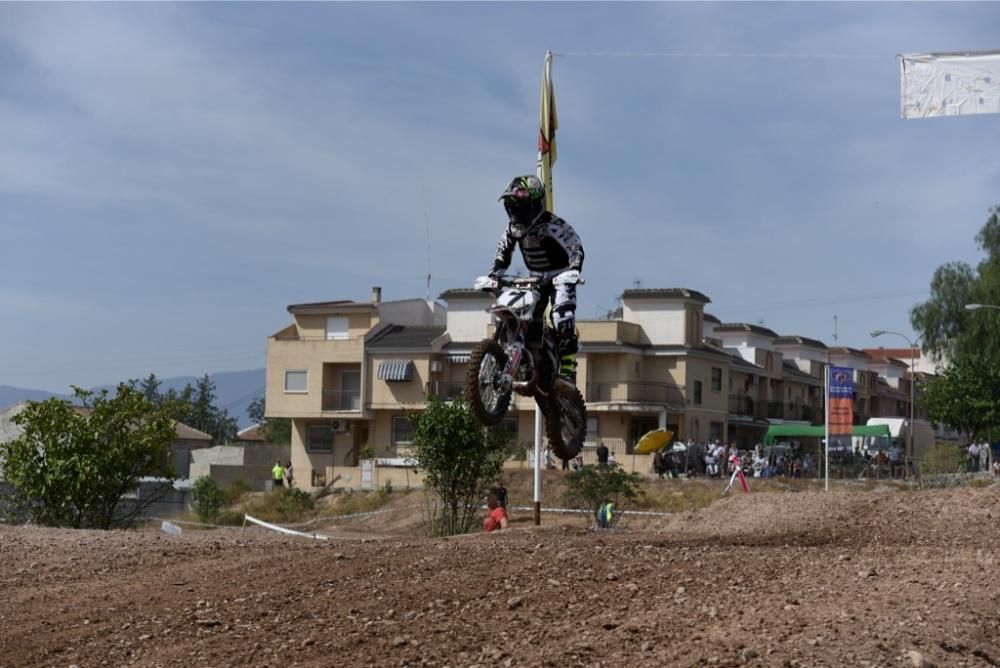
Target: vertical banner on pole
547	124
840	411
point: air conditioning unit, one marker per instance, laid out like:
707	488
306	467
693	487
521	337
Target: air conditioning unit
436	366
339	426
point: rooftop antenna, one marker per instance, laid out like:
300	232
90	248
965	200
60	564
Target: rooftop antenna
427	227
637	283
834	330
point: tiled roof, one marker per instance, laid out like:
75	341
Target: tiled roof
399	336
736	360
791	370
800	340
190	433
899	354
745	327
456	294
321	306
710	318
254	432
669	293
844	350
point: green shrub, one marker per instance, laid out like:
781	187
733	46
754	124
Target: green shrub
588	488
236	490
293	503
207	499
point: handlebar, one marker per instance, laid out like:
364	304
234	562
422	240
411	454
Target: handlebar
491	284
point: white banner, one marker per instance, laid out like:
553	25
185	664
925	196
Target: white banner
950	84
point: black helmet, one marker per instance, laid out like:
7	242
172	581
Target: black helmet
524	201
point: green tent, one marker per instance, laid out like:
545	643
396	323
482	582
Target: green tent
792	430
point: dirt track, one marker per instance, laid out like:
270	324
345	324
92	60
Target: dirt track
771	579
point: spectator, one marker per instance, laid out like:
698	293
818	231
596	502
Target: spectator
895	463
578	462
500	492
278	473
606	515
659	464
974	456
611	459
288	474
602	454
496	517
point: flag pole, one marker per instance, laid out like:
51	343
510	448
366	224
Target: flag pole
546	128
826	390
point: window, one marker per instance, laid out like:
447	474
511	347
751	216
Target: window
509	425
714	431
716	379
697	393
296	380
336	328
350	390
319	438
402	430
592	426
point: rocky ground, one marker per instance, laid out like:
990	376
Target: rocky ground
890	578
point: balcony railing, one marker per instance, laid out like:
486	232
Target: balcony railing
741	404
636	391
341	400
446	390
775	410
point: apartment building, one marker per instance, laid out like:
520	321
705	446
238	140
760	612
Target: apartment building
348	374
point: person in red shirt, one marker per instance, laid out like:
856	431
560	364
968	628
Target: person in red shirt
496	516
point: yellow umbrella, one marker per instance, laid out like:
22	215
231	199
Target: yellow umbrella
547	124
653	441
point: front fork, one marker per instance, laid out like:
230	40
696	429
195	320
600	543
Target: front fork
509	371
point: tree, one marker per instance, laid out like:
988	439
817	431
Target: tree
588	488
194	406
966	395
460	460
276	430
72	466
206	417
947	328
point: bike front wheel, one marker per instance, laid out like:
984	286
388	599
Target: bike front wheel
488	399
566	422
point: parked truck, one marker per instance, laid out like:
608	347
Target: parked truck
899	434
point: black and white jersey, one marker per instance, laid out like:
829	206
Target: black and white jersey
550	245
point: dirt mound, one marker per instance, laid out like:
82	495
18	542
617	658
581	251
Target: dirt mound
786	579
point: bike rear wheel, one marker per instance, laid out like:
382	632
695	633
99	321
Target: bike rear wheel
565	422
482	388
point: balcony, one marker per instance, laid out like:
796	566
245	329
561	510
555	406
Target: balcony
636	392
775	410
741	404
445	390
341	400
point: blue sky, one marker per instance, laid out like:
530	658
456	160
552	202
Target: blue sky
172	176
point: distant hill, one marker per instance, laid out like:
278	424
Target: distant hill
234	390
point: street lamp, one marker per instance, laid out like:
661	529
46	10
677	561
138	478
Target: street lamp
913	377
976	307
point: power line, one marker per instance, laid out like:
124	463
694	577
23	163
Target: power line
253	394
702	54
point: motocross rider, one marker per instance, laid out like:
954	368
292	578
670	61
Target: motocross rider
551	250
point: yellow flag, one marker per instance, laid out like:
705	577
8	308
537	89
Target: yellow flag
547	124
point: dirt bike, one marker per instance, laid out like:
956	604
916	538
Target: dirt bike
521	357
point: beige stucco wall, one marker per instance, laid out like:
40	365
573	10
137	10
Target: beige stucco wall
314	325
410	393
309	355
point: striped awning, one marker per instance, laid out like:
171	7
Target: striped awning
458	358
395	370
